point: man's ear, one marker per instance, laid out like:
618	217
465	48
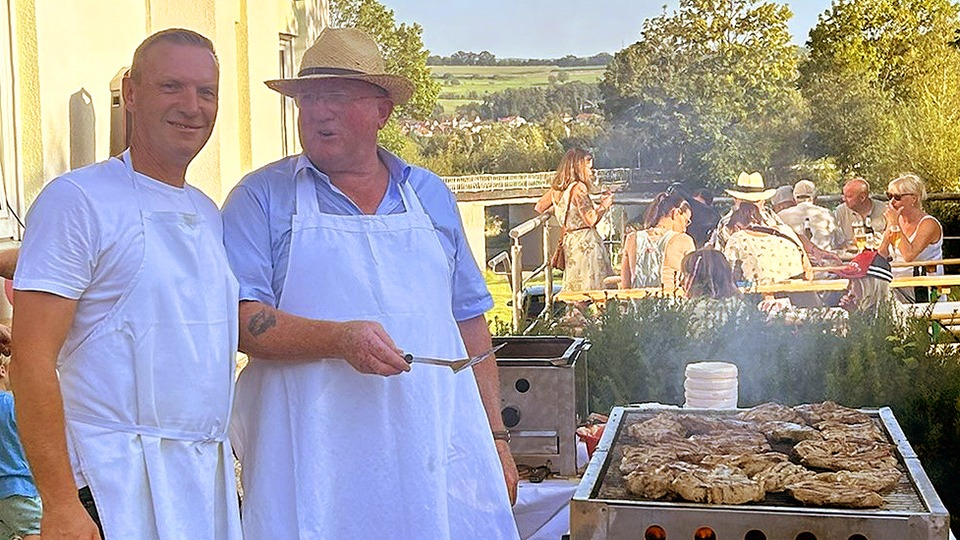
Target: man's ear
384	110
126	87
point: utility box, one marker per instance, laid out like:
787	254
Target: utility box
119	117
543	391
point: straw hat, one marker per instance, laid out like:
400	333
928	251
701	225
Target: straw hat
344	53
750	188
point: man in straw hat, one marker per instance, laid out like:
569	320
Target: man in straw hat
126	324
347	259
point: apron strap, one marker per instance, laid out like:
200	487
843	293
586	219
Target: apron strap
218	435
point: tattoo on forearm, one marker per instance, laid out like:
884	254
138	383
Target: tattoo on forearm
260	322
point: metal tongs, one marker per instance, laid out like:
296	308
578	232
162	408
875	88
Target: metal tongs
455	365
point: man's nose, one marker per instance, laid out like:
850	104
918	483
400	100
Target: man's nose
190	103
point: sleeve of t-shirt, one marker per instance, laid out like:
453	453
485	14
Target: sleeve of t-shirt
246	237
60	244
471	298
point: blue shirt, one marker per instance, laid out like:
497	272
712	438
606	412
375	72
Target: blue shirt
257	221
15	477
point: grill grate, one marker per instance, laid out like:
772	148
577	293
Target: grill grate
903	498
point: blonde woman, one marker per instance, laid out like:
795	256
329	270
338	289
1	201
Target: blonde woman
587	259
652	256
911	233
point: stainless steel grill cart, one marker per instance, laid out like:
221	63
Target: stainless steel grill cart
542	391
603	509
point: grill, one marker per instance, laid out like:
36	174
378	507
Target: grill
603	509
541	394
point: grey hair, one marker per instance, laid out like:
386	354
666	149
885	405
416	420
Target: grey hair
178	36
874	292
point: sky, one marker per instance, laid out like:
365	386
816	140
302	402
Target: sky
550	28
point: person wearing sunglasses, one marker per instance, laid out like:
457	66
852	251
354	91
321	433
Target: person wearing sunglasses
911	233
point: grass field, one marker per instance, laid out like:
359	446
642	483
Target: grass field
500	290
463	84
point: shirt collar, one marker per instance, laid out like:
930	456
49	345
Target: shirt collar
398	169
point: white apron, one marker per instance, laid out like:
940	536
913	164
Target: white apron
329	453
147	395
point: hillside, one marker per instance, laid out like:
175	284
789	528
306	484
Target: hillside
465	84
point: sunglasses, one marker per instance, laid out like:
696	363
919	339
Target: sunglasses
897	196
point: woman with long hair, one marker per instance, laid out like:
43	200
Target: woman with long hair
762	254
712	296
652	255
707	273
587	261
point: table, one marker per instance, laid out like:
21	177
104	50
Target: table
941	283
543	510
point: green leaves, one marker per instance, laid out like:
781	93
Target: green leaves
401	45
709	90
882	85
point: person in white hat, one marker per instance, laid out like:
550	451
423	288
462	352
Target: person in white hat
348	258
126	324
750	188
810	220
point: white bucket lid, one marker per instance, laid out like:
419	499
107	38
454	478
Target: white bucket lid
710	384
711	395
711	404
711	370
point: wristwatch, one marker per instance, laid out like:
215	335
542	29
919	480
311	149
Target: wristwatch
502	435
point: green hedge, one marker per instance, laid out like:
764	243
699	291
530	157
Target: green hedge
640	349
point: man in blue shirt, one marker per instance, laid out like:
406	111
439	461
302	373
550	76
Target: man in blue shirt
20	508
347	258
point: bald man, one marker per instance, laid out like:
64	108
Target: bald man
859	209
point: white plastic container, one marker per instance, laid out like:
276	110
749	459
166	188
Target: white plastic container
711	385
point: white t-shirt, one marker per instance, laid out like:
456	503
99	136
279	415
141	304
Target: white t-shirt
84	237
826	234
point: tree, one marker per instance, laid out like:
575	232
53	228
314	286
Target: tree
881	78
401	45
708	91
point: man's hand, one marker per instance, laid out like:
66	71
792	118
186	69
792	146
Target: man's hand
510	475
367	347
849	301
67	522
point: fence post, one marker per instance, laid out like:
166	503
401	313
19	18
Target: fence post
516	282
547	273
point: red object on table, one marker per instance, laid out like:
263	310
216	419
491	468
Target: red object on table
591	436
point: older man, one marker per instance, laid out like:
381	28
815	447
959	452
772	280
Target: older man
348	258
123	287
810	220
857	210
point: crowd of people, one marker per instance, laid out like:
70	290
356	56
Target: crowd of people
133	293
772	235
